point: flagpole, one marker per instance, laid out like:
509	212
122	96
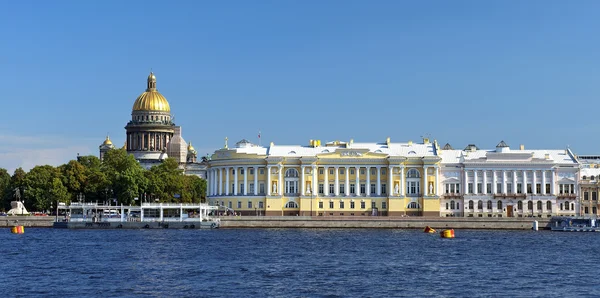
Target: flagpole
259	143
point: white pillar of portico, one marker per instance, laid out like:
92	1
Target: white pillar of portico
552	186
302	180
280	189
494	183
215	182
514	187
226	180
378	190
503	181
543	182
269	186
533	182
357	183
336	189
390	181
245	181
209	181
465	181
368	183
524	182
475	190
402	181
255	181
347	182
314	189
425	183
484	184
326	182
437	176
236	187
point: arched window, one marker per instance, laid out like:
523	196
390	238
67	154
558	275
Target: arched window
520	205
584	177
592	177
548	205
291	205
413	173
539	205
530	205
413	205
489	205
291	173
500	205
471	204
452	205
479	204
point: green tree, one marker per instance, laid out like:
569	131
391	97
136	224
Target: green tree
5	191
74	178
167	181
58	192
194	189
125	175
38	186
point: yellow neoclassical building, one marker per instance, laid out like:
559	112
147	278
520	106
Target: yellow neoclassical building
332	179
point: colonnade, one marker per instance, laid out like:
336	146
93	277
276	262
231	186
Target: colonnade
499	177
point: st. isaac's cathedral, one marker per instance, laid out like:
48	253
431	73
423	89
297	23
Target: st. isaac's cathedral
152	136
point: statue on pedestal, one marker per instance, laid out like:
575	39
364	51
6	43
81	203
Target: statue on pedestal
274	187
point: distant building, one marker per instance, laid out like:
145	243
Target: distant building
589	183
152	136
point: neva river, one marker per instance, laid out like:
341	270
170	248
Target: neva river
297	263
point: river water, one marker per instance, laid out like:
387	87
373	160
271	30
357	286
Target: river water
297	263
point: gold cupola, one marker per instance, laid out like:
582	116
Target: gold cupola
107	142
151	100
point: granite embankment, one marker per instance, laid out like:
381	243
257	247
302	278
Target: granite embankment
337	222
28	221
495	223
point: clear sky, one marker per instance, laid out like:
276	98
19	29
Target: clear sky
479	72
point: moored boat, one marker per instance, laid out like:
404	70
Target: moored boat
574	224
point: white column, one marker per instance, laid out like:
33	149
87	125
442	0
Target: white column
475	181
425	183
245	181
226	180
402	181
494	182
236	187
514	181
208	183
347	182
326	182
220	181
524	182
484	181
280	189
390	181
503	181
314	189
368	183
437	176
302	180
215	183
533	183
552	186
544	183
269	186
378	190
465	182
255	181
357	187
336	189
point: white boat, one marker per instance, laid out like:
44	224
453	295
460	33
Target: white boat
574	224
148	216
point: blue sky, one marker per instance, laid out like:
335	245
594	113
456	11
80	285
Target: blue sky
526	72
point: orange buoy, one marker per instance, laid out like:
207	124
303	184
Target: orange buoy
17	229
447	233
428	229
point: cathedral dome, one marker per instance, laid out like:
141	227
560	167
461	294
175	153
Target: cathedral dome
151	100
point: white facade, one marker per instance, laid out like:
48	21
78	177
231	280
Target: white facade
508	183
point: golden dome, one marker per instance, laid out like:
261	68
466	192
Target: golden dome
107	141
151	100
190	147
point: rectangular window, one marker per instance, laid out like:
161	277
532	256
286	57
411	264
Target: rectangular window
383	188
538	188
594	195
489	188
586	210
447	188
362	205
262	171
241	188
547	187
251	171
341	171
372	171
362	171
260	205
330	205
233	188
320	205
342	190
341	204
373	205
261	188
457	188
586	195
594	210
351	171
519	188
529	188
566	206
479	186
498	187
382	171
560	188
362	189
230	203
249	204
351	205
331	172
251	188
321	188
232	171
239	205
383	205
509	188
242	172
352	188
372	188
470	187
321	171
331	188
